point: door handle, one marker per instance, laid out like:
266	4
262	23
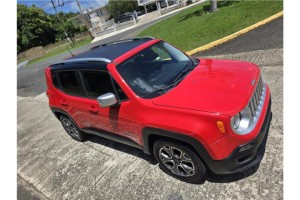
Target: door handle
64	103
93	109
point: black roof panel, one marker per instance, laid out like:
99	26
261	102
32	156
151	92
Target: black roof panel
82	65
92	58
112	50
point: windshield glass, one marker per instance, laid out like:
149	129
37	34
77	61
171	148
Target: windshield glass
154	68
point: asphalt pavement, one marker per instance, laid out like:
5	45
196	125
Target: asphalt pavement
268	36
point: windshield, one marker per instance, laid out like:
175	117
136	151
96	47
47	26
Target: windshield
154	68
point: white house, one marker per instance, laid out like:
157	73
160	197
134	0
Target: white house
150	5
94	17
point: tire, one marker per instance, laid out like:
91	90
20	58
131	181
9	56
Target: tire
179	161
71	128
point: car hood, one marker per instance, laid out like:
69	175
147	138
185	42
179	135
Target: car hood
217	86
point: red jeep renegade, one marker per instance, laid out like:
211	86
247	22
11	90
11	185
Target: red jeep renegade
191	113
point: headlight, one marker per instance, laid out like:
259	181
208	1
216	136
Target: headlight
240	122
235	121
245	121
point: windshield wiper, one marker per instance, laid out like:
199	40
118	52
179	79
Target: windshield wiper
183	73
162	89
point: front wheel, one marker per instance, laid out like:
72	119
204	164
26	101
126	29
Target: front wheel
179	161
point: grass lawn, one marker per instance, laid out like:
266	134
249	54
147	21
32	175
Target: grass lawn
195	27
60	50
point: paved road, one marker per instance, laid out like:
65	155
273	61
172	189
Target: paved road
268	36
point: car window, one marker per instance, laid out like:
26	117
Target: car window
162	54
54	79
97	83
69	83
152	68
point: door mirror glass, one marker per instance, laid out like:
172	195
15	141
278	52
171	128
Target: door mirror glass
107	99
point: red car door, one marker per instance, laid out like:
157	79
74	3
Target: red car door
123	122
118	119
76	102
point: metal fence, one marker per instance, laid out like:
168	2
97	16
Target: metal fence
111	26
170	9
37	52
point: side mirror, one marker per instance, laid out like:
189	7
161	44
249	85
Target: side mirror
107	100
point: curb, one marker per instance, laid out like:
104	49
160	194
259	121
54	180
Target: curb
234	35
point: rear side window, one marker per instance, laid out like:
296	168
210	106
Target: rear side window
97	83
54	79
69	83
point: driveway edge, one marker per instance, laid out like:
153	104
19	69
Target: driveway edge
234	35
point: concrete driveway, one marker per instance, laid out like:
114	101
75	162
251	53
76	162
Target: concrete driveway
53	166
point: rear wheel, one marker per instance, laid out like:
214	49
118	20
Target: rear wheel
71	128
179	161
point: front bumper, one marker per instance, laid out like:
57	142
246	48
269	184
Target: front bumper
246	155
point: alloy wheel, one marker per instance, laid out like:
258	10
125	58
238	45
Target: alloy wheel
177	161
70	127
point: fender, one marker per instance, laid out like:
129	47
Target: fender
57	110
228	165
150	134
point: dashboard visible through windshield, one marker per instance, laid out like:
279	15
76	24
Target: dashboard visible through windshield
154	68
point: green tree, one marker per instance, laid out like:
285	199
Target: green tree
61	24
117	8
34	27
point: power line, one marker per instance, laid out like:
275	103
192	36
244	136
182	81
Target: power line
52	1
60	4
52	8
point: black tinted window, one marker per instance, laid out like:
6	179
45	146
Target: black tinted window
54	79
97	83
69	83
153	68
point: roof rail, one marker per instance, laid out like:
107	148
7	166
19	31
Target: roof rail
125	40
78	60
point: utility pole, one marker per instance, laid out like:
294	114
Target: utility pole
84	19
71	42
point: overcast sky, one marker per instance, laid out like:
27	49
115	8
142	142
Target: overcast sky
64	5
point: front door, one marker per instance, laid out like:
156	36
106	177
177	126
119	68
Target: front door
118	119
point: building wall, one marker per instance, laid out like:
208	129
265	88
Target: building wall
100	14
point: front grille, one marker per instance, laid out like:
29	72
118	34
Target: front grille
255	101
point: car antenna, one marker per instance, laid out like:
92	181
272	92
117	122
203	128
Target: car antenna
70	52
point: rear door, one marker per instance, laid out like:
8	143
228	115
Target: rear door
72	97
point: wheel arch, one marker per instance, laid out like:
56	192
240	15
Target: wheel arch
150	135
58	112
